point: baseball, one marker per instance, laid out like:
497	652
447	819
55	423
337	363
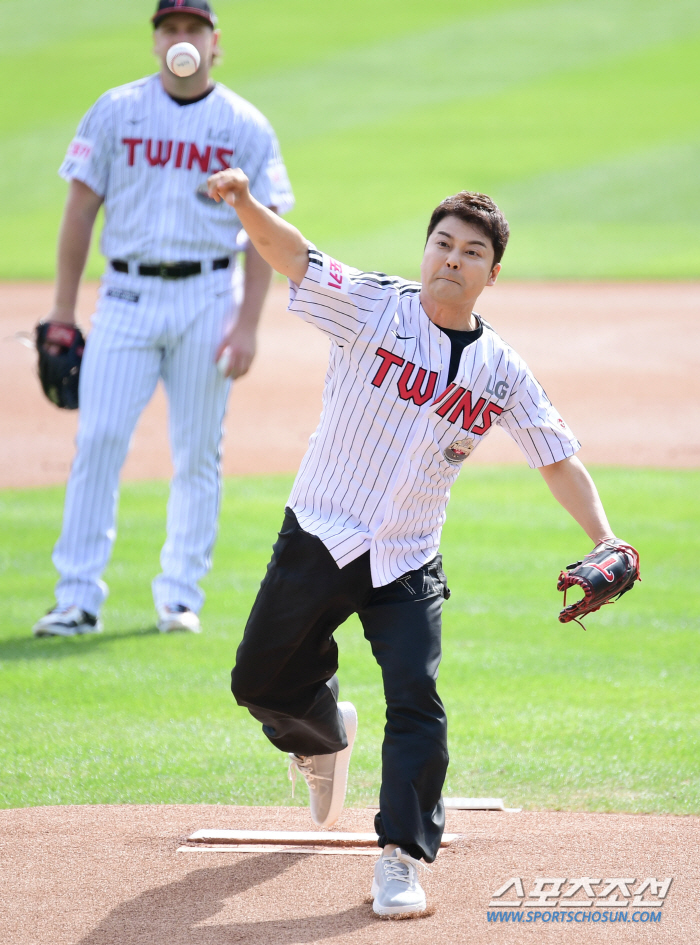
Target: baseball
183	59
224	362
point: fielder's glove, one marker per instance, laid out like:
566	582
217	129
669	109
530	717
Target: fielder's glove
605	574
60	349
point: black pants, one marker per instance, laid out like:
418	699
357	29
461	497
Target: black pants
286	664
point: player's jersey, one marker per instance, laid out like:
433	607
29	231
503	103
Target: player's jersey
150	159
393	434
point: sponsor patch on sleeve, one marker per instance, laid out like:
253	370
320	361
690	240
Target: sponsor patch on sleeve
334	275
79	150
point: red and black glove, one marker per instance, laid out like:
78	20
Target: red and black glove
605	574
60	348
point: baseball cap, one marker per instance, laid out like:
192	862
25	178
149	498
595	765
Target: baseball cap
195	7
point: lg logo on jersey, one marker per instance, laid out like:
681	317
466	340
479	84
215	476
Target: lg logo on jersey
455	403
499	388
184	154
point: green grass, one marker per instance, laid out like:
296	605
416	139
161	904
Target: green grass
581	117
542	714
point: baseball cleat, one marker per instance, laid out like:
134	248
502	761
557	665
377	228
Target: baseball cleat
395	887
177	617
327	775
69	622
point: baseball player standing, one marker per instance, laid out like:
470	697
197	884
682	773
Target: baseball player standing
173	302
416	380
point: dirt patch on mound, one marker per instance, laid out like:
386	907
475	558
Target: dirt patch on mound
113	876
619	361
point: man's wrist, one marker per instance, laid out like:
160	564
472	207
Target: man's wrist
65	316
244	327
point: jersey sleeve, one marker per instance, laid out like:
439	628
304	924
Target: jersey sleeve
337	298
536	426
89	154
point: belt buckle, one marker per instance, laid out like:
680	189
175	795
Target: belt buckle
168	270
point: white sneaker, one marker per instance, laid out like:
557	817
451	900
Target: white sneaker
68	622
327	775
177	617
395	887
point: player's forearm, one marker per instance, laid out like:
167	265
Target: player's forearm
74	238
279	243
258	275
571	485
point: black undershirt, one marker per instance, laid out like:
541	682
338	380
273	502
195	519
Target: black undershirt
458	342
191	101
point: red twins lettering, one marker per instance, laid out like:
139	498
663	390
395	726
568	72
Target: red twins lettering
466	411
489	411
222	156
416	392
132	144
456	401
387	360
201	159
186	155
162	156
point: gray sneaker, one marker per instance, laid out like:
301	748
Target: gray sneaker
66	623
326	775
395	887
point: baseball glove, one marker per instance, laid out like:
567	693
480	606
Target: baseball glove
60	349
605	574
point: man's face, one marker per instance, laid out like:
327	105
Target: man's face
457	262
185	28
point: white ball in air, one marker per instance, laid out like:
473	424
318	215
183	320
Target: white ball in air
183	59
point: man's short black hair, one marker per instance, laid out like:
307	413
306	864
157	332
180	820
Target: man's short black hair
478	210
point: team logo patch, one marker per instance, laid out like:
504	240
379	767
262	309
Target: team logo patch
124	295
202	193
458	451
561	423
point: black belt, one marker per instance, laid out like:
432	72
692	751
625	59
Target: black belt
174	270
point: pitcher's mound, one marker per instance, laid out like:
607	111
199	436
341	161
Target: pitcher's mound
114	876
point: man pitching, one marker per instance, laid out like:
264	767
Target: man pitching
416	379
174	301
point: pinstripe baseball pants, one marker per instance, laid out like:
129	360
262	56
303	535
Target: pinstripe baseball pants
146	329
286	664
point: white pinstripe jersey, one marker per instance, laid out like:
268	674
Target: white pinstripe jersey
150	158
393	434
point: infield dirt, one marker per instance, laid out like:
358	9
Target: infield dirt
618	360
113	876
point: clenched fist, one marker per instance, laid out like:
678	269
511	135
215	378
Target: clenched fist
230	185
